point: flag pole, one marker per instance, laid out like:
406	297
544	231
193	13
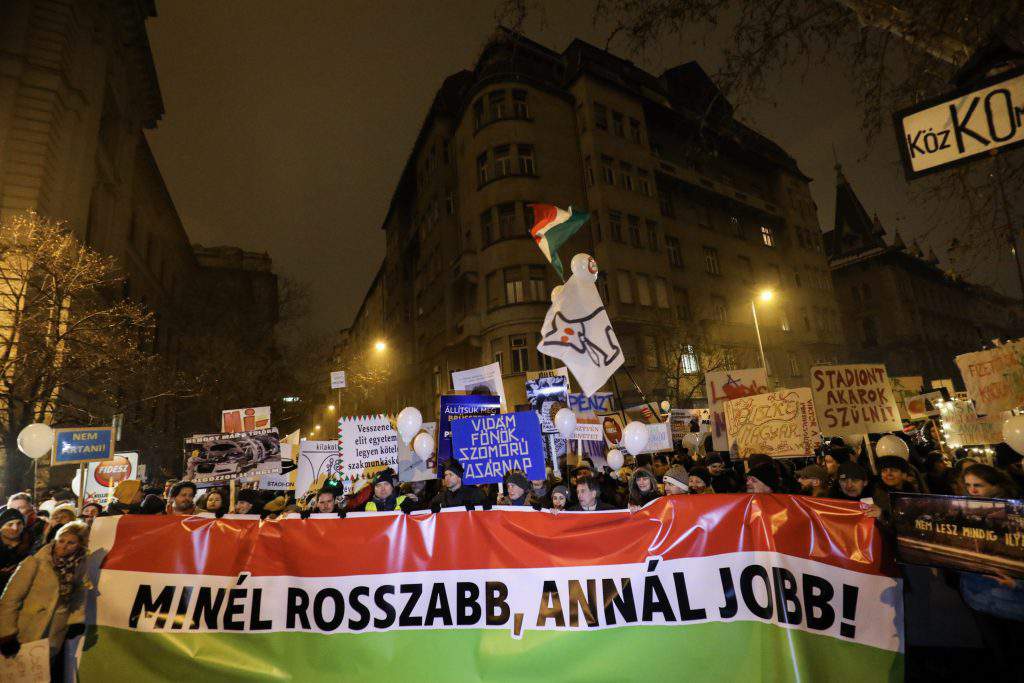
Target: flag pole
640	391
618	395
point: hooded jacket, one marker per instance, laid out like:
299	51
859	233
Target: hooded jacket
638	497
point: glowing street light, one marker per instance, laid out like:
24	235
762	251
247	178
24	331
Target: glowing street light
765	295
317	428
380	346
331	407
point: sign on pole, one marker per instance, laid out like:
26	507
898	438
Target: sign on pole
244	419
854	399
102	477
727	385
963	124
488	446
994	378
338	380
779	424
75	445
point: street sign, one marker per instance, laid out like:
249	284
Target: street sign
958	126
75	445
338	379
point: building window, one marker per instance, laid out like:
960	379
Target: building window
746	269
643	182
496	100
643	290
776	274
478	113
449	203
682	300
719	311
506	219
675	251
626	173
608	169
634	231
520	354
498	350
502	161
527	166
617	124
794	365
482	175
588	172
665	202
650	353
634	131
737	227
519	106
514	293
652	235
688	360
544	361
615	221
581	115
595	226
487	226
783	320
535	286
625	287
711	261
870	332
528	218
495	293
767	236
600	116
661	292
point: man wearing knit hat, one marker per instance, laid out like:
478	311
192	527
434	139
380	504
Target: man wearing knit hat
454	493
723	479
559	497
676	481
517	488
15	543
384	497
762	478
247	502
813	480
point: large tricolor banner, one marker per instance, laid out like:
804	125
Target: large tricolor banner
737	587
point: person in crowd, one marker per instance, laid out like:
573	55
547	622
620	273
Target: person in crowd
588	493
274	507
835	456
853	485
385	498
326	500
540	493
955	475
517	489
659	465
814	481
127	497
417	493
22	502
181	498
15	543
763	478
153	504
213	502
676	481
45	597
985	481
723	479
61	515
935	472
247	502
643	488
1011	462
90	511
699	480
559	498
455	493
894	476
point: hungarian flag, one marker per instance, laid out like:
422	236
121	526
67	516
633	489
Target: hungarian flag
553	228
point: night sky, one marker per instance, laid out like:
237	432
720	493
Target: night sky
288	124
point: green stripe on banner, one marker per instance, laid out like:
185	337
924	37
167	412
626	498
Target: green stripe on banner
713	652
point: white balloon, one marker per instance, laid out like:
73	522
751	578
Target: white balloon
423	444
1013	433
691	441
892	445
409	422
556	292
634	437
665	406
565	422
35	440
615	459
584	266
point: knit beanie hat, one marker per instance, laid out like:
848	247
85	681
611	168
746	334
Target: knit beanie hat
758	459
518	478
766	474
454	466
701	473
677	476
11	515
561	489
893	461
152	505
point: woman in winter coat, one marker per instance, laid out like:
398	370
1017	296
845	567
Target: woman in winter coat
643	488
45	597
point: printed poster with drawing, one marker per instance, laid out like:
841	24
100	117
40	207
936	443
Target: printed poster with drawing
218	458
367	445
547	395
318	464
480	381
779	424
30	665
725	385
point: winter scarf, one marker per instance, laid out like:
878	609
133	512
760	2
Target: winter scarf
67	569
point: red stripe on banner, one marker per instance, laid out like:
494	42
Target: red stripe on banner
829	531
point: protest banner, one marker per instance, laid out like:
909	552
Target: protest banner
318	464
103	477
726	385
961	425
612	426
30	665
244	419
486	378
984	535
588	428
921	406
854	399
76	445
546	396
994	378
600	402
219	458
798	585
367	444
779	424
488	446
454	407
411	467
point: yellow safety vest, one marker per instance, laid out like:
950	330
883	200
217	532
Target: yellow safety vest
372	507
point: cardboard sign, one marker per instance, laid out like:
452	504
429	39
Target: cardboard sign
457	407
486	378
103	477
779	424
367	444
244	419
588	428
903	388
682	420
338	380
412	467
854	399
30	665
219	458
994	378
75	445
659	438
546	396
727	385
318	464
601	402
488	446
923	405
962	426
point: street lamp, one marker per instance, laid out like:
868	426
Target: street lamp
765	295
331	407
380	346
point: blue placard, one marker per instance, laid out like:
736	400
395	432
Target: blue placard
82	444
488	446
455	408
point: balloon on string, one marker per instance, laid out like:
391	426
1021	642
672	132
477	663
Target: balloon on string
584	266
892	445
423	445
615	459
634	437
556	292
35	440
409	422
1013	433
691	441
565	422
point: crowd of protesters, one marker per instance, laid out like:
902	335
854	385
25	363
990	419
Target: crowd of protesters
42	547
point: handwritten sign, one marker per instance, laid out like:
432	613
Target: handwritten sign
244	419
854	399
962	426
588	428
600	402
366	445
994	378
30	665
779	424
488	446
659	438
725	386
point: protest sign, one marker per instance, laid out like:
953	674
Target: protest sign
488	446
588	428
102	477
76	445
367	444
219	458
318	464
30	665
456	407
648	413
779	424
659	438
961	425
981	535
555	372
612	426
683	421
244	419
547	395
411	467
485	379
600	402
800	584
994	378
921	406
854	399
726	385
